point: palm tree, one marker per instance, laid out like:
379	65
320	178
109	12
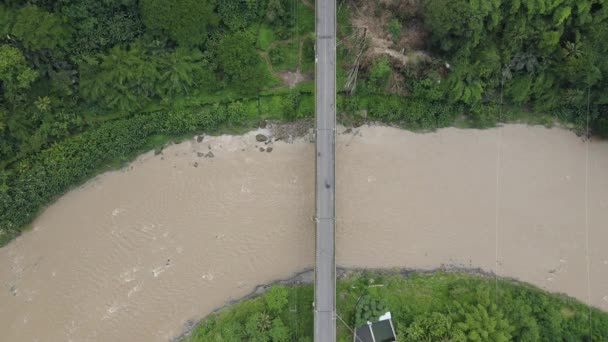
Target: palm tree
179	70
573	50
525	60
123	79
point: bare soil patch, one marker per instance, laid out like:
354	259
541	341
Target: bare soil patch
371	19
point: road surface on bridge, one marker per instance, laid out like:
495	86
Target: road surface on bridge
325	107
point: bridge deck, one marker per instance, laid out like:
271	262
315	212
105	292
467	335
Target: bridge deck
325	102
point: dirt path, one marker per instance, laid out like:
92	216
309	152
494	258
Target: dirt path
371	20
290	78
135	254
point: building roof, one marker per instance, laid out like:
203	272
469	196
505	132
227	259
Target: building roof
364	333
381	331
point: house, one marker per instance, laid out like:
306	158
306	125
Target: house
380	331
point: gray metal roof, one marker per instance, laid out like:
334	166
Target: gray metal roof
381	331
364	334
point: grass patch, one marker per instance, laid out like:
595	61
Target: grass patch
519	115
308	54
306	86
265	37
284	56
305	18
272	80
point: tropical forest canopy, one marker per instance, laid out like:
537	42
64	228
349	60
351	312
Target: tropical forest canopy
547	54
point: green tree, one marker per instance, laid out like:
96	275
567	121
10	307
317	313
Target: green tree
6	20
520	313
124	79
279	332
185	21
483	323
481	320
98	25
433	326
236	113
43	104
428	89
243	68
182	70
394	28
276	298
519	88
379	72
16	76
460	24
38	29
257	327
464	85
237	14
276	11
291	103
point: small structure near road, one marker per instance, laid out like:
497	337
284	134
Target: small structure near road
380	331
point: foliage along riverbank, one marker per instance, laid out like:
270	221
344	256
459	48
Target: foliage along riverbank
105	81
435	306
86	84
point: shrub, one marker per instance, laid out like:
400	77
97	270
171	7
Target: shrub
394	28
276	298
484	116
277	56
380	72
601	127
185	21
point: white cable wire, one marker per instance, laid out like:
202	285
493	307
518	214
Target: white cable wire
588	261
497	199
348	327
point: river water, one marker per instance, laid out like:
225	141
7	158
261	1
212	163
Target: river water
135	254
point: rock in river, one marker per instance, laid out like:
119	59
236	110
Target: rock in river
261	137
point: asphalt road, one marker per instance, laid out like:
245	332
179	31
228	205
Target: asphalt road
325	98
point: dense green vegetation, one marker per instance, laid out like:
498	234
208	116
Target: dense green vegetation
544	57
76	76
67	66
425	307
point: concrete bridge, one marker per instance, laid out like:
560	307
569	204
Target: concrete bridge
325	107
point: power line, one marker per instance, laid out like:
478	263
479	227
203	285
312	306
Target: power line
497	198
348	327
588	261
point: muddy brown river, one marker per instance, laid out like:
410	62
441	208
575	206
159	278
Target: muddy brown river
134	254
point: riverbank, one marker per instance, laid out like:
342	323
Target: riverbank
137	254
437	305
306	277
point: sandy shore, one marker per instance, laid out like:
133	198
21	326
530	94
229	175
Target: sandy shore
135	254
